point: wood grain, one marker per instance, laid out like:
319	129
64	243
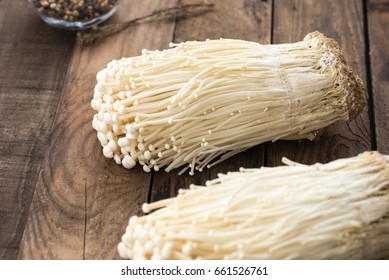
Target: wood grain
243	19
378	22
33	62
83	201
343	21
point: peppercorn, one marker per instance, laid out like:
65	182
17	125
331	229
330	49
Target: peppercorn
74	10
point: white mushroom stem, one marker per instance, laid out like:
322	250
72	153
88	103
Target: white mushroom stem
199	103
338	210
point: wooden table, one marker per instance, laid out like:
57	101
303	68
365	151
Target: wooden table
61	199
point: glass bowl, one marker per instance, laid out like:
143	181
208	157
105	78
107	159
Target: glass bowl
54	20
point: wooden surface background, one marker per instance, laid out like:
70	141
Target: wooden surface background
61	199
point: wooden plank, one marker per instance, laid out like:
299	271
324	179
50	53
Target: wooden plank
121	195
83	201
378	19
33	63
343	21
243	19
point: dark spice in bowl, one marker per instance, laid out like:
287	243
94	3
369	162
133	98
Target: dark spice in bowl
74	10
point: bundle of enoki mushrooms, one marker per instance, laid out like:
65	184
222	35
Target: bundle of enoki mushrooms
199	103
338	210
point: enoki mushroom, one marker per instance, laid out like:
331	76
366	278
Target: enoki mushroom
199	103
338	210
